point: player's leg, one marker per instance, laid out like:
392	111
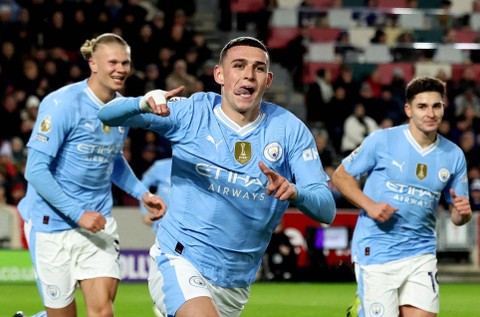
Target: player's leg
52	262
99	294
97	268
378	289
177	288
419	296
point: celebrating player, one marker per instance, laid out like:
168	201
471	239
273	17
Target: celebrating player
73	159
409	167
238	162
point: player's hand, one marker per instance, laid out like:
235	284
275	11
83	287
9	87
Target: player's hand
155	101
462	207
155	206
381	212
92	221
278	185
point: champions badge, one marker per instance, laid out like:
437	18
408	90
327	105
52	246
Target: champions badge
46	124
273	152
106	129
243	152
421	171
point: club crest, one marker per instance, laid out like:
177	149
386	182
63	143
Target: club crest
273	152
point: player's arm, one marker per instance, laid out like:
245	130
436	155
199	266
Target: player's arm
38	174
127	111
350	188
125	179
460	209
316	200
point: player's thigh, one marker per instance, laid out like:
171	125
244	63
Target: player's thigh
175	283
99	294
53	262
378	290
421	288
96	254
70	310
410	311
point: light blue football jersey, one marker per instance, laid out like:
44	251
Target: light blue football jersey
158	175
411	179
220	217
83	151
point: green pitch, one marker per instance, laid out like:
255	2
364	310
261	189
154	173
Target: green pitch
267	300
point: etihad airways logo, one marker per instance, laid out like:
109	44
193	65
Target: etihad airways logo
223	181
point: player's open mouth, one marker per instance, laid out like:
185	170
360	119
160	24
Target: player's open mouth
244	91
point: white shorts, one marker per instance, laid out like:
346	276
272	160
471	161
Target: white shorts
63	258
382	288
173	280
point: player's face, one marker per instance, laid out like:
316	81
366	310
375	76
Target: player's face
111	65
244	77
426	111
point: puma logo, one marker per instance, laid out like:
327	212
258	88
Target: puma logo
400	166
211	139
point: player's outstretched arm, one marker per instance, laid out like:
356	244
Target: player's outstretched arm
316	200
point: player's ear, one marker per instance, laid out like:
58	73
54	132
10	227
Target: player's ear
269	79
93	65
218	74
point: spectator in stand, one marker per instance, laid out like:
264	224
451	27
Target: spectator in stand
469	146
28	116
467	99
145	48
280	260
349	84
292	56
343	108
318	95
404	50
356	128
10	118
475	194
180	77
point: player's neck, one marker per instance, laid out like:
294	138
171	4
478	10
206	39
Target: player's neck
241	118
423	138
105	95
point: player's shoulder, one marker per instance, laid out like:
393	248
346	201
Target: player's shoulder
280	114
66	96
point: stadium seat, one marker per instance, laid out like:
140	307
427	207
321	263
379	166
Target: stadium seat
466	36
377	53
360	36
284	18
340	18
386	71
431	69
475	21
324	34
311	68
458	69
288	4
245	6
280	36
321	52
447	53
389	4
415	20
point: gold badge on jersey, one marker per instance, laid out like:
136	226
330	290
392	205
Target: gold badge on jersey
421	171
46	124
243	152
106	129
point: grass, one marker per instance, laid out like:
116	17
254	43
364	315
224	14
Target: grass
267	300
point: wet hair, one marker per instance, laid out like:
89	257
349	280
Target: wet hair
424	84
243	41
90	46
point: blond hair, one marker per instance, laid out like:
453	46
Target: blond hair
90	46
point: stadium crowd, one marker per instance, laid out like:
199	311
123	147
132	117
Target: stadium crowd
40	41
